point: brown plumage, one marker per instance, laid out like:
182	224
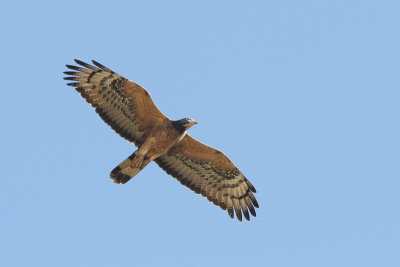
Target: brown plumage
129	110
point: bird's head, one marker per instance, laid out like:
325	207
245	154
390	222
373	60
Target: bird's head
185	123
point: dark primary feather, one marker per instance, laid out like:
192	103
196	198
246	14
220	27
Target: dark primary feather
102	66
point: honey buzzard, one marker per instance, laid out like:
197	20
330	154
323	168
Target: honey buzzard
129	110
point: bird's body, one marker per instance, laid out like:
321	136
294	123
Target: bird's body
162	138
129	110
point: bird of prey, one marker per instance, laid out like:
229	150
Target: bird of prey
129	110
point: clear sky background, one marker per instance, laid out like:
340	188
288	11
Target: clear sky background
303	96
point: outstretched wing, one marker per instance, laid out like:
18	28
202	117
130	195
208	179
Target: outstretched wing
124	105
208	171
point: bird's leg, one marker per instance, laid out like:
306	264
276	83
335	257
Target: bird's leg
137	161
142	157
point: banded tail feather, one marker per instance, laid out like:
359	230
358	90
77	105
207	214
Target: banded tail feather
126	169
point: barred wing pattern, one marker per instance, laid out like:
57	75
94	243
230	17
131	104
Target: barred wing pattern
129	110
208	171
124	105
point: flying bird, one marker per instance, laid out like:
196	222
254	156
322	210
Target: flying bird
129	110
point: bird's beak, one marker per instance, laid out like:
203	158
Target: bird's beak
190	124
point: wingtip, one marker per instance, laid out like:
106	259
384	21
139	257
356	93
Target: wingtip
239	214
78	61
255	203
252	188
246	215
73	84
101	66
252	210
95	62
230	212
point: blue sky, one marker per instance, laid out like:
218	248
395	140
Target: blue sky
303	96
